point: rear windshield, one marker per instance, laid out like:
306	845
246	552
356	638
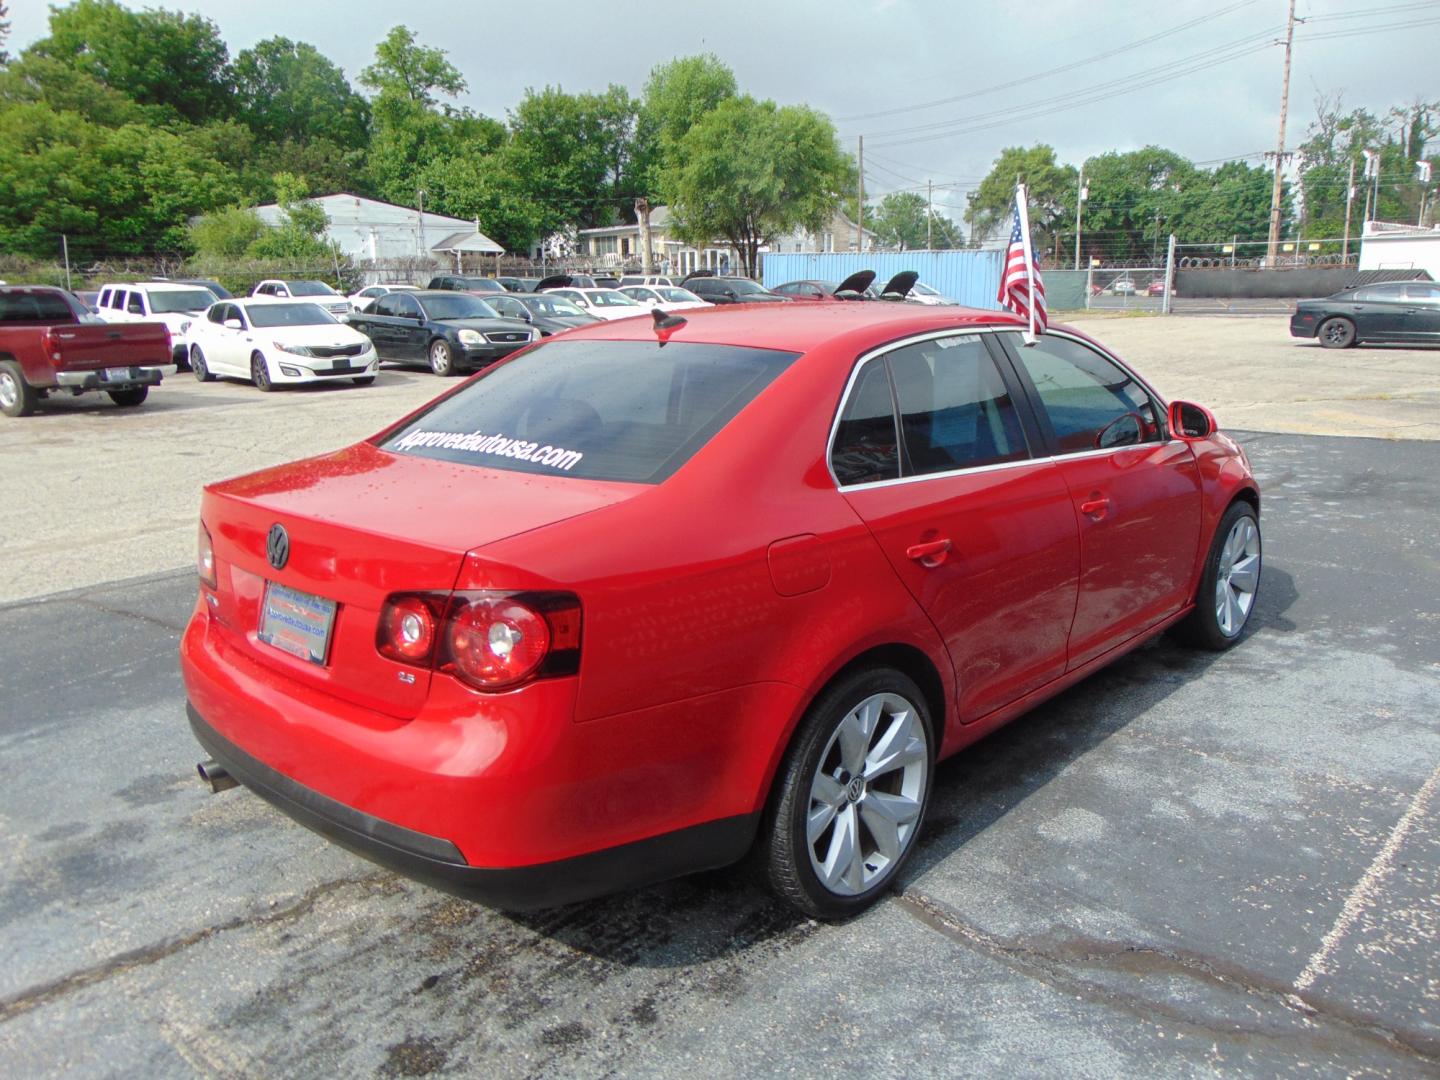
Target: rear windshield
600	410
170	302
288	315
35	307
310	288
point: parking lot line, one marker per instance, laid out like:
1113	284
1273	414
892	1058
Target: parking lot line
1363	894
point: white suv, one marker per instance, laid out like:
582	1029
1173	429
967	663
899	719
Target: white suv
177	306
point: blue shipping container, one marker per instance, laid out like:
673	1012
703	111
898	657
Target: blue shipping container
971	278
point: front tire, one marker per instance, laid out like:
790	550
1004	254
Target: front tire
442	358
260	373
1230	582
128	399
17	397
1336	333
851	795
197	365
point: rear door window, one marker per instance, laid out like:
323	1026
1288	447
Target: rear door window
600	410
955	411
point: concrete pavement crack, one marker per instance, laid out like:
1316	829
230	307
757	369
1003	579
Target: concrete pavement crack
45	993
1061	967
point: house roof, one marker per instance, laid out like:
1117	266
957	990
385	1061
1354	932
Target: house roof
468	240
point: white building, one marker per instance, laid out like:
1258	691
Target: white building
1384	246
371	231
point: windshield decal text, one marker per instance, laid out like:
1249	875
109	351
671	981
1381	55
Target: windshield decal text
477	442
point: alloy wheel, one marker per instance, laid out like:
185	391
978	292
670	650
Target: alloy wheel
867	794
441	361
9	390
1238	576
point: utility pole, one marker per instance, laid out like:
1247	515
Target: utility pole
420	224
1080	196
642	211
65	251
1349	202
930	214
1372	167
860	206
1280	144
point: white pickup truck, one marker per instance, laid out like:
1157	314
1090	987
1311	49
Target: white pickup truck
157	301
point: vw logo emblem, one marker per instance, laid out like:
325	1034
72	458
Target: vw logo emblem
855	790
277	546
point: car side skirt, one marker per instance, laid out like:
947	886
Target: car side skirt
438	863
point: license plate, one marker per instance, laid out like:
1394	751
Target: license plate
296	622
118	374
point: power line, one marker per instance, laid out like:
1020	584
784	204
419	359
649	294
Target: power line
1033	77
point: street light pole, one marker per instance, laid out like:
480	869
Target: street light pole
1080	197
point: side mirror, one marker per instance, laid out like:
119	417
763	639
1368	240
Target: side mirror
1191	421
1127	430
234	324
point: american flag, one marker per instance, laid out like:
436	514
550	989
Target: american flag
1020	281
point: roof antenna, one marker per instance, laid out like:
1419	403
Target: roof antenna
666	324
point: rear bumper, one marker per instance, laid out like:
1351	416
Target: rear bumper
79	381
1304	324
438	862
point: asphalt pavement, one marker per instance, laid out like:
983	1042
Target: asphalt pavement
1189	864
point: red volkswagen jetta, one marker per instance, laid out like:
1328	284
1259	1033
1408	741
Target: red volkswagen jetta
642	598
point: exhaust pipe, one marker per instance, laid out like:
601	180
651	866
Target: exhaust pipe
214	774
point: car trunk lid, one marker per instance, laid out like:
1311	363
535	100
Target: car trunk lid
362	524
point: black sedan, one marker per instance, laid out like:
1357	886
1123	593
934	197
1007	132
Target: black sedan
451	331
732	290
1398	311
547	312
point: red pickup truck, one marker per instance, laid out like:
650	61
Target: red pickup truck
50	345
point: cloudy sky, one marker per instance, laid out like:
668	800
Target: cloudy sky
936	88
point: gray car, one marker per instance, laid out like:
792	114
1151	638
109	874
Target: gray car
548	313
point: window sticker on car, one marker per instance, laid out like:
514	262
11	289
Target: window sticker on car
477	442
952	342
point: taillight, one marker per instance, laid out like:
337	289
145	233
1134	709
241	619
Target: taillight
407	630
49	345
205	557
490	640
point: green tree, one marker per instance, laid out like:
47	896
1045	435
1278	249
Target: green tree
750	170
1051	188
676	96
226	234
903	220
4	33
572	153
302	234
128	190
409	125
1136	200
168	59
288	90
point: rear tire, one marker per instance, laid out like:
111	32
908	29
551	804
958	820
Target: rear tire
260	373
128	399
851	795
1336	333
197	365
1230	583
17	397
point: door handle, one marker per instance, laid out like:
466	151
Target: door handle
1097	507
929	554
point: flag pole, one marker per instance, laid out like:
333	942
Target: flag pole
1022	201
